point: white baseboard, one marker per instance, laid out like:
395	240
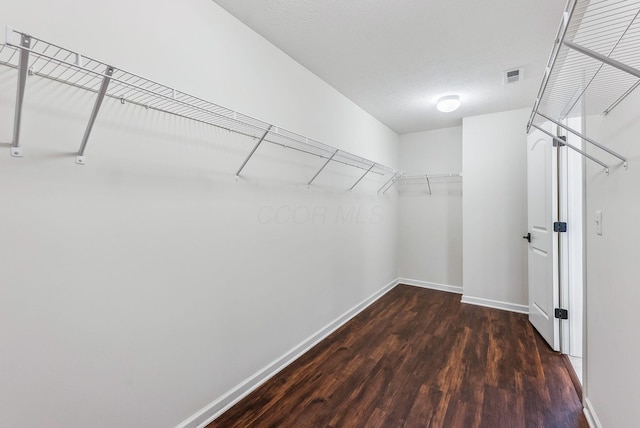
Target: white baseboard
496	304
207	414
432	285
590	414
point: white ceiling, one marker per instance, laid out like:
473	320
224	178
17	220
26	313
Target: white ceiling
394	58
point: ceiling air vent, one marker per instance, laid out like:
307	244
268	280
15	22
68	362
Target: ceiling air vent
512	76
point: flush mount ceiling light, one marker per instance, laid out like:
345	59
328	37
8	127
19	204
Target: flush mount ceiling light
448	103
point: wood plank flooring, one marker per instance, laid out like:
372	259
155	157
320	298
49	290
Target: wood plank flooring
419	358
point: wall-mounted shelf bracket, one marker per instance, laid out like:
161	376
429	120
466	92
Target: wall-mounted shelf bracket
363	175
389	184
428	177
252	152
574	148
585	138
23	69
428	184
80	160
621	98
323	167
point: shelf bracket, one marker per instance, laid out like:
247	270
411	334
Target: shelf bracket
622	97
252	152
585	138
363	175
582	152
94	113
23	69
323	166
428	184
602	58
386	186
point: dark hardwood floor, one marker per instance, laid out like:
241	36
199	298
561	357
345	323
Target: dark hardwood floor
419	358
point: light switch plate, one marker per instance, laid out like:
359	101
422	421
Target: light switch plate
598	222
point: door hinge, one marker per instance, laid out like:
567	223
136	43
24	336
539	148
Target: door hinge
559	226
562	314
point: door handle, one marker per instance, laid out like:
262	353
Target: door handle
527	237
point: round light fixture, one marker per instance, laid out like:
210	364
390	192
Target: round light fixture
448	103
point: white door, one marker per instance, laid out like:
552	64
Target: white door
543	246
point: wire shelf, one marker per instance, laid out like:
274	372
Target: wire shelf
594	63
611	28
427	178
443	175
67	67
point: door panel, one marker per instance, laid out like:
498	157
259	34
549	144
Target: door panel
542	212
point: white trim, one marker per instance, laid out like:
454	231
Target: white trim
431	285
590	414
211	411
576	241
496	304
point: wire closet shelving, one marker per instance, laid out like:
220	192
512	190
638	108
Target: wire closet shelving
32	56
426	178
594	65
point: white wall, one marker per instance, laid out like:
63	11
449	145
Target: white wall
431	225
144	285
612	293
494	208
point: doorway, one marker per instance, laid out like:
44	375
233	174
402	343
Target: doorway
556	199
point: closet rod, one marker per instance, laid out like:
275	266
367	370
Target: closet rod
585	138
564	143
285	146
